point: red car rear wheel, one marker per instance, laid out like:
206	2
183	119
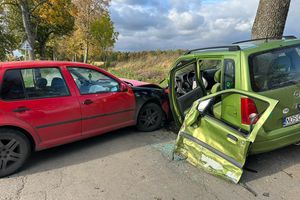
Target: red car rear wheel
14	151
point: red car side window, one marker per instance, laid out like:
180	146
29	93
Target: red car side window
33	83
90	81
12	86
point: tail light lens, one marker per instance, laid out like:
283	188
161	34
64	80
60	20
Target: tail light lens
247	107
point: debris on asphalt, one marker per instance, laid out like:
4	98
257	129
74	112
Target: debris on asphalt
167	149
266	194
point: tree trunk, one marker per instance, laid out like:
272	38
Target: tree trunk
270	19
43	50
28	27
86	52
42	39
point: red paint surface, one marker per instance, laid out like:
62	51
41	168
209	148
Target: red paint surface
59	120
136	83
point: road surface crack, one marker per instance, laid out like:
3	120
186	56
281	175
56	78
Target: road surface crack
289	174
60	180
248	188
19	191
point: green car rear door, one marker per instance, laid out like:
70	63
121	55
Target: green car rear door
214	144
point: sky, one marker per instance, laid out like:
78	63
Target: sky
178	24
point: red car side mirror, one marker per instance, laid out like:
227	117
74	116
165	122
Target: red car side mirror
123	87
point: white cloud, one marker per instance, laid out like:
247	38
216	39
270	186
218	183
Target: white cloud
185	20
292	27
244	25
172	24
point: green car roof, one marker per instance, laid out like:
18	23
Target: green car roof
247	47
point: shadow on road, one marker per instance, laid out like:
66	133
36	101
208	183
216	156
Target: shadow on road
127	139
90	149
270	163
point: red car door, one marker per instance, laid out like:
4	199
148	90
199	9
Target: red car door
104	106
40	97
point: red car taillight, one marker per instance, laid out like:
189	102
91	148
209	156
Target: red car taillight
247	108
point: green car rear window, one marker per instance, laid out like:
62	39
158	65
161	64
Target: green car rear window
275	68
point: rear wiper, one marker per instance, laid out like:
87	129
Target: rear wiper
281	84
288	82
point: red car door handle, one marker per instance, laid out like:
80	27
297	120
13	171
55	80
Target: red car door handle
21	109
88	102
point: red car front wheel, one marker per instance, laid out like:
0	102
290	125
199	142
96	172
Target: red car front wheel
150	117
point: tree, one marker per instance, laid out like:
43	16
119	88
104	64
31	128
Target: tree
270	19
40	19
103	34
7	41
56	18
69	47
4	43
88	12
25	13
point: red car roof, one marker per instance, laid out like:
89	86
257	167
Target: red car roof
40	63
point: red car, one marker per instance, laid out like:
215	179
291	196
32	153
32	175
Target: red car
46	104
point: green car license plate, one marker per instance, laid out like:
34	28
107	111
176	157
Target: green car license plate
291	120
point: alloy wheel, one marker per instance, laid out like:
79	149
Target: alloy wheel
10	153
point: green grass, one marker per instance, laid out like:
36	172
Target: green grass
147	67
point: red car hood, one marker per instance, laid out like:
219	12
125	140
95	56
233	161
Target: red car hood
136	83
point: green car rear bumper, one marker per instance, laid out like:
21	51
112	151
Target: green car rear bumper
276	139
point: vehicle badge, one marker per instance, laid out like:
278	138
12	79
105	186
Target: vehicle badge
286	111
297	94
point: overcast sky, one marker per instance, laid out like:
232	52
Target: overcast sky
178	24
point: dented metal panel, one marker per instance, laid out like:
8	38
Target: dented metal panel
210	148
215	146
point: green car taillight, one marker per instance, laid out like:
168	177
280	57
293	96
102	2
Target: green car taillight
247	108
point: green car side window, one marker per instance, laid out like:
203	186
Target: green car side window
229	74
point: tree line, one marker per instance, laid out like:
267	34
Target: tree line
82	30
77	30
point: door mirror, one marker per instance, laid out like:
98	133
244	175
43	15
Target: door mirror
204	105
253	118
123	87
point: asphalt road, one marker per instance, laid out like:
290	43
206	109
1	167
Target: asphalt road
127	164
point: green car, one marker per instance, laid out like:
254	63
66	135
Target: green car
232	101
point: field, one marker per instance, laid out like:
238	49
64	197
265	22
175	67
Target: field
151	66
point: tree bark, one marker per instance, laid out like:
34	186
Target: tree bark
270	19
28	27
43	50
42	39
86	53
